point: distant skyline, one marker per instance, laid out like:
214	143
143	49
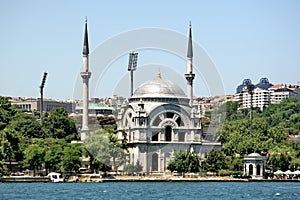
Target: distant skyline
244	39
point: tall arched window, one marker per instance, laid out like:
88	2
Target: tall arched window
168	134
250	169
155	162
258	170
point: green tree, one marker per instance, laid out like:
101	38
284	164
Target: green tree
185	162
215	161
235	163
71	160
35	155
54	153
26	125
106	149
7	111
131	168
57	124
98	146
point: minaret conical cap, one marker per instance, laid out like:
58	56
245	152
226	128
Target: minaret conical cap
85	50
190	44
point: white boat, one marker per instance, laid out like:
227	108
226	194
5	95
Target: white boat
55	177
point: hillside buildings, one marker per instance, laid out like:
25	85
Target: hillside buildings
33	104
262	94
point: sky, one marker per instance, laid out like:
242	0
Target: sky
241	39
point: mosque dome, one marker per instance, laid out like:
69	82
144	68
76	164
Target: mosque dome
159	88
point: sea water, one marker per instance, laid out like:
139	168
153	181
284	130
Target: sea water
152	190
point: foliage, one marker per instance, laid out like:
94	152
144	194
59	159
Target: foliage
234	163
131	168
71	159
24	139
34	155
105	150
57	124
7	111
54	153
215	161
269	135
185	162
26	125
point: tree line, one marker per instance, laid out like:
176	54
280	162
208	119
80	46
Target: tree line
35	145
269	136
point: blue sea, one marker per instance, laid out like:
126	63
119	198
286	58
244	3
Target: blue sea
152	190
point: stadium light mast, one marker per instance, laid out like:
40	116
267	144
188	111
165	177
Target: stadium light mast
251	88
41	92
132	65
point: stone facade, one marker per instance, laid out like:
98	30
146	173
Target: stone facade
254	166
159	121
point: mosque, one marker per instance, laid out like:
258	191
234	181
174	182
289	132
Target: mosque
160	119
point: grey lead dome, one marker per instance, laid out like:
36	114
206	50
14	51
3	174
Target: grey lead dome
159	88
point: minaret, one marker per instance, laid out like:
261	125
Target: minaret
189	76
85	75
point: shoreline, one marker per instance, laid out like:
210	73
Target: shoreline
142	179
200	179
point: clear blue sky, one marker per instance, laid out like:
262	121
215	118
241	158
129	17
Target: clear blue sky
245	39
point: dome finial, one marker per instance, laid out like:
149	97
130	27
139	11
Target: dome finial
158	74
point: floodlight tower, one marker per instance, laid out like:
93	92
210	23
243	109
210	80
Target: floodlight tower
251	88
41	92
132	65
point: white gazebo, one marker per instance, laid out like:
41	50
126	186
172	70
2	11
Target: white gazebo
254	166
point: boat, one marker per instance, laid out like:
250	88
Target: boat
55	177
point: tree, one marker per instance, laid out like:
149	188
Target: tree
185	162
7	111
26	125
34	155
98	146
71	159
131	168
54	153
105	149
57	124
10	145
234	163
215	161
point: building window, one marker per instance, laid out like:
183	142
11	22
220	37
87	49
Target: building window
155	162
258	170
168	133
181	137
250	169
154	136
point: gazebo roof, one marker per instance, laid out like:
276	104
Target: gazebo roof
254	156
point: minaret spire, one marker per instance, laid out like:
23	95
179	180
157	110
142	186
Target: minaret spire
85	50
85	75
190	44
189	76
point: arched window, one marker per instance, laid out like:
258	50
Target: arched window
168	134
250	169
258	170
155	162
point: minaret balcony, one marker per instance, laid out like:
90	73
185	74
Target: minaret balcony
85	75
189	77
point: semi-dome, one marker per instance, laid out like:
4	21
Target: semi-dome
159	88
